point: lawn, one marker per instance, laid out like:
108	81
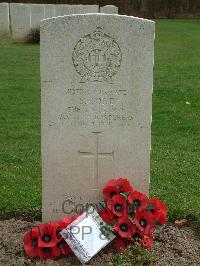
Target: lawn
175	160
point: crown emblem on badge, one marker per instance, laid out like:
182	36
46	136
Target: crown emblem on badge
97	57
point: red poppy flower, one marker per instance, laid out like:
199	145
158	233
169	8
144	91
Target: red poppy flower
156	207
147	242
31	243
61	248
57	227
56	252
118	205
160	211
46	236
143	206
145	222
116	186
135	198
106	215
46	253
66	220
120	244
124	227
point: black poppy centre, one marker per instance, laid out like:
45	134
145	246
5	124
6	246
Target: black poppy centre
46	238
136	203
58	234
46	250
118	207
34	242
61	244
136	236
124	227
113	193
143	222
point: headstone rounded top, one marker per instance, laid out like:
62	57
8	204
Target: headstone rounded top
95	15
109	9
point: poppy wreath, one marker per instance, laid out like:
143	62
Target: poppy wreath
129	214
45	242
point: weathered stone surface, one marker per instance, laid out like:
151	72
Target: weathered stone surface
96	78
4	19
49	11
37	14
109	9
20	20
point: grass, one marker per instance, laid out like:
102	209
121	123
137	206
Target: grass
20	166
175	164
175	161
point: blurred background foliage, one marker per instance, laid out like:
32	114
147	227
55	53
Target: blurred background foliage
141	8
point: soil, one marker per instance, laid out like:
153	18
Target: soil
173	246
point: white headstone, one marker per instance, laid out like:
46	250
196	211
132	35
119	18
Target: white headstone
89	9
96	78
37	14
109	9
49	11
20	20
62	10
4	19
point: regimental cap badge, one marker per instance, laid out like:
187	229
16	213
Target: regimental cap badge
97	57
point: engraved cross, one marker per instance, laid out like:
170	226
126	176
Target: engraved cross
96	155
97	58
